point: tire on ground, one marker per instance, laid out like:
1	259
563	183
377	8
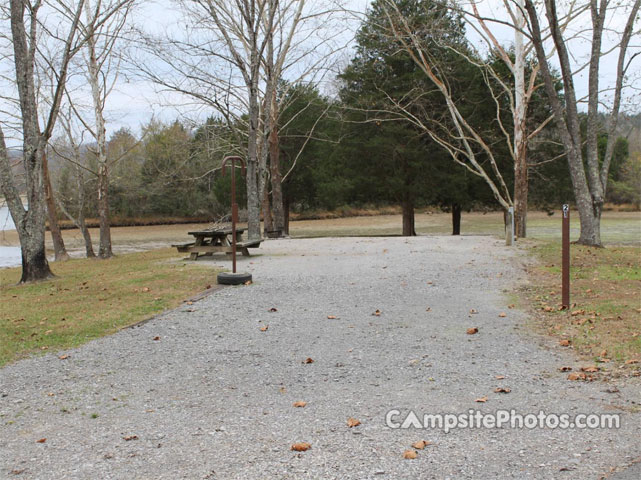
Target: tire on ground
226	278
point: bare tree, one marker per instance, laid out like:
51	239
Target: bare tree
589	178
26	29
464	142
101	71
231	57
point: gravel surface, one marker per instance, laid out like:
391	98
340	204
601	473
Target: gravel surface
211	398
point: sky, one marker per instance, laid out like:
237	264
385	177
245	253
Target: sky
134	100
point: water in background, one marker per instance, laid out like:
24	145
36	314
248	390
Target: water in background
9	256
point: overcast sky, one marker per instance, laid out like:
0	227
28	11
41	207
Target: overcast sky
134	100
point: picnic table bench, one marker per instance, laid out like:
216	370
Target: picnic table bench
213	240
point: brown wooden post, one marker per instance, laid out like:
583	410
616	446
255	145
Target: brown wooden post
565	258
234	205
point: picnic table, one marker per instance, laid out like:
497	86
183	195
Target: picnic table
213	240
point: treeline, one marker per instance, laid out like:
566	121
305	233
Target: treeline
348	159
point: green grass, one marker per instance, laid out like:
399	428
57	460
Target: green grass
605	292
92	298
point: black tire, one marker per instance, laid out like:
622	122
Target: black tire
226	278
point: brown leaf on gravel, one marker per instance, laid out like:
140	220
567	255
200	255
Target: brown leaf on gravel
273	309
481	400
473	311
156	338
511	305
428	309
282	390
564	343
590	369
248	282
502	390
499	377
42	440
331	317
264	329
631	361
577	312
300	404
301	447
130	437
63	357
309	360
352	422
502	314
472	331
409	454
377	313
565	369
421	444
548	309
577	376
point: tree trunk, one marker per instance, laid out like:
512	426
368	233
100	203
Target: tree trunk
520	127
456	219
408	216
286	215
268	223
520	193
60	252
87	238
274	167
104	251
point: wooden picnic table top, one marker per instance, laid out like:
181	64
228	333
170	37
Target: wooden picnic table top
216	232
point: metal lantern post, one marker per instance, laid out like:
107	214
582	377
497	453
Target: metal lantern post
233	278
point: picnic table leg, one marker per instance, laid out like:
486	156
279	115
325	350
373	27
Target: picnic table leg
245	252
197	243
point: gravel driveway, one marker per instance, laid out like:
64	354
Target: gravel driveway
203	393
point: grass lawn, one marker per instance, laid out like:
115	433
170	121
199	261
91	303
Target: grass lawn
604	321
92	298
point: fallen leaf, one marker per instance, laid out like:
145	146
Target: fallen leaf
511	305
481	400
301	447
377	313
502	314
156	338
282	390
472	331
63	357
631	361
130	437
548	309
565	369
473	311
264	329
42	440
273	309
564	343
331	317
577	376
145	289
502	390
409	454
300	404
577	312
309	360
248	282
352	422
428	309
590	369
604	353
499	377
421	444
